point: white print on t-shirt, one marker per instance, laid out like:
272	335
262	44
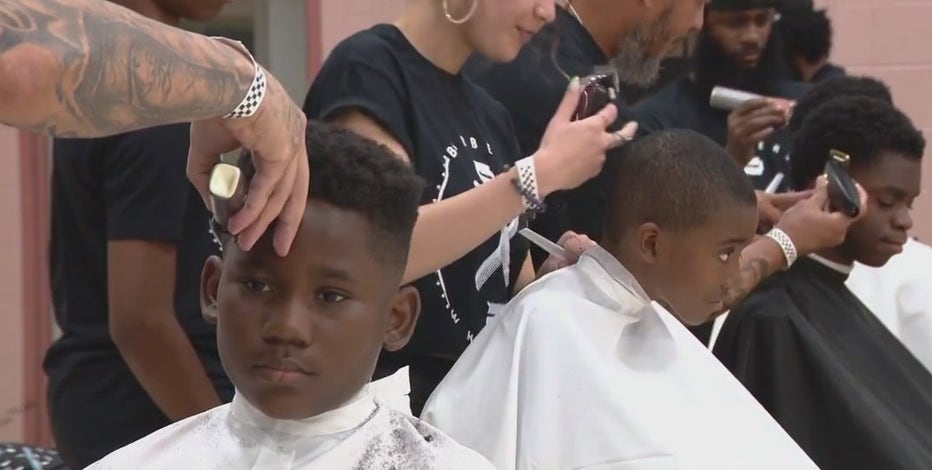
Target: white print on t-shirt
501	257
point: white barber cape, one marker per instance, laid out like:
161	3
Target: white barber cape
363	435
899	293
582	371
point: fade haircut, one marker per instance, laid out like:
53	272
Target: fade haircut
860	126
678	179
353	173
837	87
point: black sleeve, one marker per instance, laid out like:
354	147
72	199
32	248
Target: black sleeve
649	116
361	74
146	188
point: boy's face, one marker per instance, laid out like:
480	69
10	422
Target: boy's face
892	183
692	268
300	335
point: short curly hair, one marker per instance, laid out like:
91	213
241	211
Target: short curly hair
356	174
806	33
860	126
837	87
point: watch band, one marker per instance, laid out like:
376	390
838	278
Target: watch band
257	89
786	244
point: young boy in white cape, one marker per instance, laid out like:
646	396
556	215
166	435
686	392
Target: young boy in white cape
299	335
586	370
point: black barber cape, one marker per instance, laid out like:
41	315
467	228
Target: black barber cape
681	105
829	372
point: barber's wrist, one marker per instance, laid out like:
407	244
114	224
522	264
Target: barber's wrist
246	69
785	244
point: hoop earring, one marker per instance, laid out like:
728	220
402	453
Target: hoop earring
451	19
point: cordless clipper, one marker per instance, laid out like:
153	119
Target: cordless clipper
598	90
842	191
228	187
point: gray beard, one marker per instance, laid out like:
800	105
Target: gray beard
633	63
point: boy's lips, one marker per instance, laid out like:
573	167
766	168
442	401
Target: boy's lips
285	364
283	371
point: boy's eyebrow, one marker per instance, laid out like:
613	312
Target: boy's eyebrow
735	241
331	272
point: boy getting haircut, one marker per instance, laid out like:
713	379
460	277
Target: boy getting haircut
815	357
299	335
586	369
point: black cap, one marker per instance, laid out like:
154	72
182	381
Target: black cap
724	5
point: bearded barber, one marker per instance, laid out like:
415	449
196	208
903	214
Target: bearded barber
736	48
626	38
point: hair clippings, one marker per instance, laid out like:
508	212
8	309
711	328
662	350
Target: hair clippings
228	190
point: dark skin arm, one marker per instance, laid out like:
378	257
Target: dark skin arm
88	68
811	227
141	287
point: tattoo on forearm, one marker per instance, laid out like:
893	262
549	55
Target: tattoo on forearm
752	272
114	71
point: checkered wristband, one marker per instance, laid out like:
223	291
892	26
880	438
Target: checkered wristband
526	185
786	244
257	89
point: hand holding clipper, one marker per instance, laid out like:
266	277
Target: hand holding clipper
228	185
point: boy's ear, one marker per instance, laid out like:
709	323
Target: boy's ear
406	308
210	284
648	237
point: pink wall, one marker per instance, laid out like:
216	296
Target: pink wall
11	290
890	39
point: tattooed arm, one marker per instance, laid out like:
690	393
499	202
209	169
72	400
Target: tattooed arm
759	260
87	68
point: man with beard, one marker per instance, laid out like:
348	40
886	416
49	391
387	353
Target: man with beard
735	49
625	38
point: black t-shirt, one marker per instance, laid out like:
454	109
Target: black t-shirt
531	88
680	105
126	187
457	137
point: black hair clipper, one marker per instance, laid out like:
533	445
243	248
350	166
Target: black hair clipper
228	185
598	90
843	193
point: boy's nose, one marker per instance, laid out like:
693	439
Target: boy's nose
290	324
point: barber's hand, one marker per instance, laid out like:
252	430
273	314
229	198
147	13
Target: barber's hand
572	152
574	244
276	136
812	227
771	207
751	123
